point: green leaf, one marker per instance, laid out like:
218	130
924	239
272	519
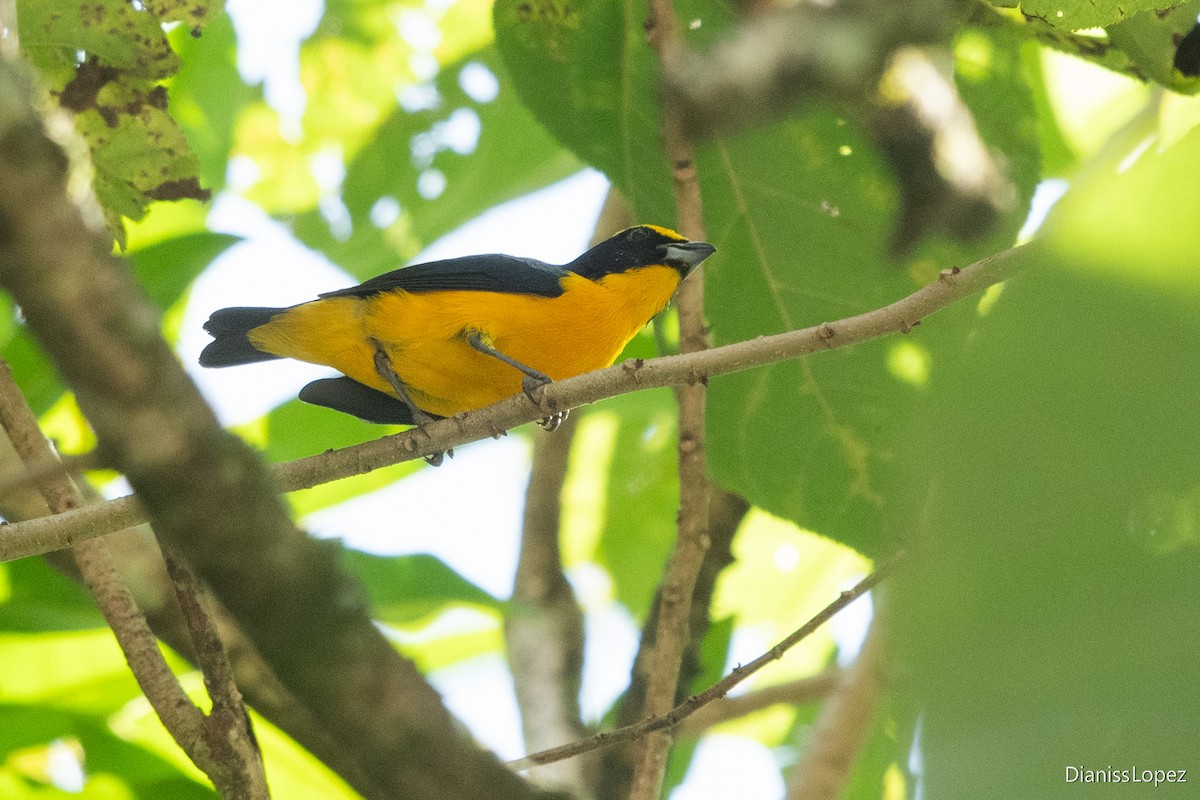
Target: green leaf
80	671
641	495
512	156
120	36
192	13
166	269
1152	39
409	589
801	213
37	598
1074	15
588	76
1053	619
208	94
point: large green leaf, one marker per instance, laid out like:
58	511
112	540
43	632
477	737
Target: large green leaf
801	213
586	72
1053	619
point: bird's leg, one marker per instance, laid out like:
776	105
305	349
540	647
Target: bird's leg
532	381
383	365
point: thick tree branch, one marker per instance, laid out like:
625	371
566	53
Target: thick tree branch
205	492
719	689
45	535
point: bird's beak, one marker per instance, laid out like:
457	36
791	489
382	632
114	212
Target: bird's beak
685	256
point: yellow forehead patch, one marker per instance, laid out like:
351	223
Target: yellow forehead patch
667	232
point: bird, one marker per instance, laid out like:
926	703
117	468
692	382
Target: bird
441	338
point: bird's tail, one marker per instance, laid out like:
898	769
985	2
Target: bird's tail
230	345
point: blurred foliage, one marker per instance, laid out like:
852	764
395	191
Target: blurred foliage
1036	452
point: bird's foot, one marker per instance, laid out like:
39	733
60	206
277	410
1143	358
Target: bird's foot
550	424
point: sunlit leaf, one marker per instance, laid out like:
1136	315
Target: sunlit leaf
475	145
1056	506
207	94
586	72
639	522
165	269
37	598
1075	15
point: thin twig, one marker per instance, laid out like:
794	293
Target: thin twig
55	533
843	725
793	693
181	719
718	689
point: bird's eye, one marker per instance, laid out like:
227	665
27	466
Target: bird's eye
636	234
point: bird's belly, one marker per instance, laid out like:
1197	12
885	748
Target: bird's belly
426	342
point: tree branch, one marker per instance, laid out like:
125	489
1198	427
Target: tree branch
719	689
793	693
44	535
179	716
228	732
843	725
672	629
726	512
206	492
543	629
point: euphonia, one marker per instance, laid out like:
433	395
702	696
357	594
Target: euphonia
436	339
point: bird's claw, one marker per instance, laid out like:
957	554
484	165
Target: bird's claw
550	424
435	459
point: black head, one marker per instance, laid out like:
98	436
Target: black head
641	246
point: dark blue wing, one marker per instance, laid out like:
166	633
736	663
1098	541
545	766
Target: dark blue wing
486	273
